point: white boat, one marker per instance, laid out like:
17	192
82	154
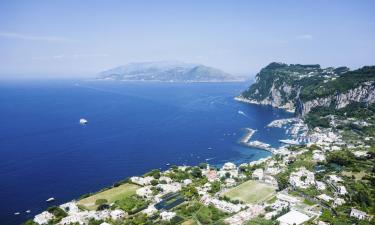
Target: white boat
50	199
83	121
28	211
17	213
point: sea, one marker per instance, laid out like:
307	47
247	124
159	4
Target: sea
132	127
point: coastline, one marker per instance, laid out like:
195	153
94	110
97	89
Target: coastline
240	98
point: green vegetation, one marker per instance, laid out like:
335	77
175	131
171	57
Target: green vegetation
131	204
261	221
251	192
346	81
111	195
209	215
57	212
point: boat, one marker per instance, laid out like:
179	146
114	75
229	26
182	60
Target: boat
209	148
167	164
50	199
28	211
83	121
17	213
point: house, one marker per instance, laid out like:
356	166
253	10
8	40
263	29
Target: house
270	180
319	157
338	202
230	182
342	190
166	180
302	178
293	217
43	217
272	170
167	216
187	181
150	210
144	192
360	154
258	174
358	214
211	175
324	197
142	180
229	166
117	214
320	185
334	178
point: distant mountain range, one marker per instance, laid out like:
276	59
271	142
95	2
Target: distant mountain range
166	71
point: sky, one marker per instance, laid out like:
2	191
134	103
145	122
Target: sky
81	38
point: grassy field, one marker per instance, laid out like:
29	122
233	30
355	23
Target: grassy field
251	192
111	195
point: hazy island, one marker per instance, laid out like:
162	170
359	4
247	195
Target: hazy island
325	175
167	71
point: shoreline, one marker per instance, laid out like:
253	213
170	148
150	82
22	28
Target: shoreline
249	101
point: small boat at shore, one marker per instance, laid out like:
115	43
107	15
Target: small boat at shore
167	164
50	199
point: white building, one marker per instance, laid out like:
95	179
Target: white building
245	215
117	214
302	178
338	202
293	217
229	166
230	182
258	174
43	217
187	181
144	192
167	216
167	180
342	190
170	188
70	208
142	180
334	178
325	197
320	185
358	214
319	157
150	210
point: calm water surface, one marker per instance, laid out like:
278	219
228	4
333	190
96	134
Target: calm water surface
133	127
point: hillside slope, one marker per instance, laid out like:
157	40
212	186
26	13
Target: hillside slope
301	88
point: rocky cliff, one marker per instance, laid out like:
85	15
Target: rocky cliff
300	88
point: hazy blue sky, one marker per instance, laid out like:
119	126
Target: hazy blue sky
81	38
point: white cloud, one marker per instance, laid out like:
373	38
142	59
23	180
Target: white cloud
34	38
304	37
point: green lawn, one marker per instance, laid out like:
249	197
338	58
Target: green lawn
111	195
251	192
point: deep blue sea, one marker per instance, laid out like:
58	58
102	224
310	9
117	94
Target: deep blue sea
133	128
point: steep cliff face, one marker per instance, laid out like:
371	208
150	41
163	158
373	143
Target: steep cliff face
300	88
364	93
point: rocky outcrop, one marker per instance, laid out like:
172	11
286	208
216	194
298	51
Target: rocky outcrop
364	93
301	88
